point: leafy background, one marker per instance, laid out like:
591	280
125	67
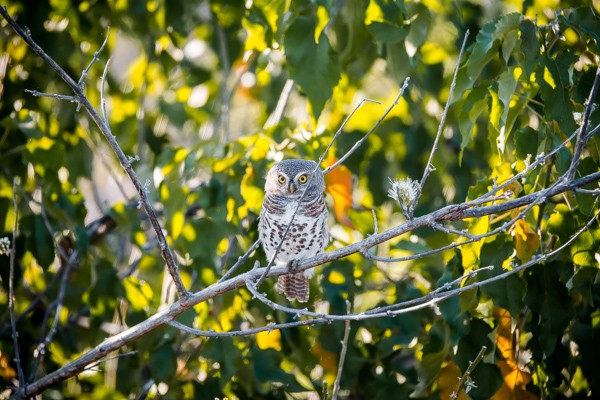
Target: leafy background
193	90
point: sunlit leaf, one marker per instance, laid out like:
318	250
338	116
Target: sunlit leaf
339	184
527	242
269	340
314	66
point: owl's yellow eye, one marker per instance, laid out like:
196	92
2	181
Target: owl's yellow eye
302	178
281	179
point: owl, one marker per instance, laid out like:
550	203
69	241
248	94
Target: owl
308	235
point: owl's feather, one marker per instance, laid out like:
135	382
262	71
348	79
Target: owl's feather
290	186
293	286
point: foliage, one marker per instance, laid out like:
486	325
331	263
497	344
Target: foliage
194	90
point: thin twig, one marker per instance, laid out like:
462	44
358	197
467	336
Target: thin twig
426	301
296	312
379	121
40	350
277	113
429	167
341	129
240	261
338	378
35	93
95	58
325	392
593	192
11	292
121	355
582	135
466	382
102	87
448	230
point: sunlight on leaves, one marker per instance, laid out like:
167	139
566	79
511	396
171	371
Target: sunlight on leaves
339	184
269	339
527	242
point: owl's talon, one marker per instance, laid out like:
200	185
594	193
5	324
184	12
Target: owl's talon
292	265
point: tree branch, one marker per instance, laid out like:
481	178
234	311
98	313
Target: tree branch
11	293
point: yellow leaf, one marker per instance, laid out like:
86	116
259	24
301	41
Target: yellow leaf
548	78
471	252
339	186
322	21
447	382
526	240
252	194
336	277
504	334
138	293
515	377
326	358
6	372
269	340
177	222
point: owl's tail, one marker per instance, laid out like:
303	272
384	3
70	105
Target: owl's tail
294	286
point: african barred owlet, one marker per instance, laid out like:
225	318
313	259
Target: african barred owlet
308	236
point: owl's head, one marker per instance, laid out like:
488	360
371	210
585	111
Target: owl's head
292	177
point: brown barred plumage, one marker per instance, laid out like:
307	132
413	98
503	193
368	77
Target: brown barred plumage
308	235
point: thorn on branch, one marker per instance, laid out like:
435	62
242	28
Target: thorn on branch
132	159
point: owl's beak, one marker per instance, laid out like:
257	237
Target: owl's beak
292	187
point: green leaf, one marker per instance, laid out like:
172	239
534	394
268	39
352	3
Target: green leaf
398	61
163	362
584	19
40	241
419	25
487	379
507	83
214	349
105	290
555	80
526	143
469	346
434	354
530	45
582	284
267	369
488	39
385	21
473	106
507	292
549	299
314	66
